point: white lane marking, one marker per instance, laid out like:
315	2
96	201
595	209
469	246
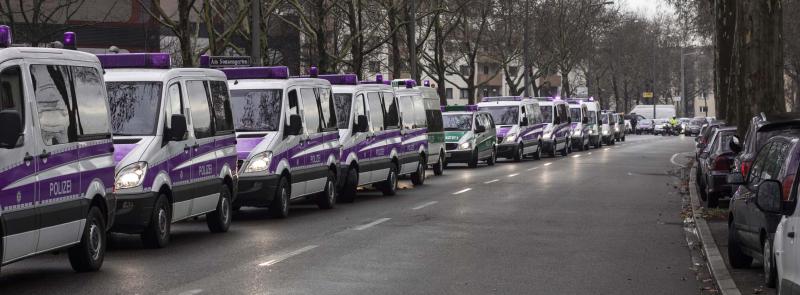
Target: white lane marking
191	292
491	181
462	191
289	255
590	153
672	159
424	205
513	175
534	168
605	149
548	164
371	224
576	156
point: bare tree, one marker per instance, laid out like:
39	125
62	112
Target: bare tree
182	27
222	19
38	16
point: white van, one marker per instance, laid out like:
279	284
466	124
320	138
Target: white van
287	138
56	155
174	145
519	126
594	123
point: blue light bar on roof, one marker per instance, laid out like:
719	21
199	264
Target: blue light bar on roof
501	98
345	79
5	36
410	83
69	41
135	60
378	80
460	108
279	72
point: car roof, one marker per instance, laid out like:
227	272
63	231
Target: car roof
137	74
773	126
458	113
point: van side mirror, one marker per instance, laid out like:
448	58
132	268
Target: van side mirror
768	197
556	121
585	120
523	122
735	146
361	124
295	125
735	178
178	128
480	129
12	128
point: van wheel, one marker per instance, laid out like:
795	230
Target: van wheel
770	269
518	153
348	193
327	198
586	146
473	161
88	255
156	235
438	168
736	257
220	220
493	158
389	186
279	208
565	150
538	154
418	177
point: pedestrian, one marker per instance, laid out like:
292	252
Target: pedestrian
634	121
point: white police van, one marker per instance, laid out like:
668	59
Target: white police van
595	124
555	115
437	154
519	126
56	155
413	147
174	145
579	116
288	139
369	132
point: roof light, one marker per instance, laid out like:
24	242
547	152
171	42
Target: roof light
346	79
69	41
379	78
426	83
5	36
313	72
410	83
501	98
591	98
279	72
460	108
135	60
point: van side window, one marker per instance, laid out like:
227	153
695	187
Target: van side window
407	112
479	121
54	104
12	93
328	108
390	109
360	109
419	112
310	108
220	99
174	104
375	111
92	109
200	111
435	123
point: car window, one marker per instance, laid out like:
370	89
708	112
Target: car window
328	108
343	103
200	111
434	120
407	112
754	178
256	109
174	105
220	100
390	110
775	161
479	121
310	110
419	112
375	111
12	93
134	107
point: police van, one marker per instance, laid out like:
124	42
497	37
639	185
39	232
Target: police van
414	121
368	119
174	145
470	135
288	138
437	154
595	125
56	154
519	126
579	116
555	115
608	119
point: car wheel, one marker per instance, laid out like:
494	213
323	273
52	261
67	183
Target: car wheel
279	208
493	158
418	177
438	168
88	255
326	199
350	187
220	220
770	269
156	235
389	186
473	161
538	154
565	150
587	146
518	153
736	256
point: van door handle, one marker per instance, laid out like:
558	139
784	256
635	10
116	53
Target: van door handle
44	155
27	157
196	146
186	148
790	234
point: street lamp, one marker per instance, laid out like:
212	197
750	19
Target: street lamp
683	79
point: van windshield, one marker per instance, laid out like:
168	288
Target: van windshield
604	117
592	117
461	122
134	107
547	114
256	109
575	114
343	103
508	115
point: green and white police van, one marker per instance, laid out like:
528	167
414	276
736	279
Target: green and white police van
470	135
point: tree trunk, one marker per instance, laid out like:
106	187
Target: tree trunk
184	34
724	31
396	63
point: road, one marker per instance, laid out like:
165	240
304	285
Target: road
600	222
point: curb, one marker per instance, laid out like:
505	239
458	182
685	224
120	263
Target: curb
716	262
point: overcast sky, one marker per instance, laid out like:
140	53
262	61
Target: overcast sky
647	7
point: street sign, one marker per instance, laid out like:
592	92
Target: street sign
224	61
677	98
647	95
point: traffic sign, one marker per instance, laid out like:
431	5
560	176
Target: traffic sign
224	61
647	95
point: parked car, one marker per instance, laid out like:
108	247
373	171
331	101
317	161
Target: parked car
754	209
555	115
761	128
579	136
715	163
174	145
643	125
694	125
703	139
608	120
56	155
519	126
437	155
594	123
470	136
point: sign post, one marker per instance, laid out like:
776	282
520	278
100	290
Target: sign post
224	61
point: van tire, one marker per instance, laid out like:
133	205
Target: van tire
156	235
538	154
438	168
473	161
279	208
492	158
327	198
736	256
219	221
88	255
350	187
389	186
565	151
518	153
418	177
770	268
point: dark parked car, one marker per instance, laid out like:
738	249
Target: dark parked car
751	229
761	128
694	126
715	163
704	137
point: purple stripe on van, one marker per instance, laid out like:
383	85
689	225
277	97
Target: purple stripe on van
245	145
122	150
502	131
574	125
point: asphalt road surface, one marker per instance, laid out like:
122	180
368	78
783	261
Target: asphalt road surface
606	221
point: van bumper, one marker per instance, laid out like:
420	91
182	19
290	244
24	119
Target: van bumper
459	156
257	191
133	212
507	150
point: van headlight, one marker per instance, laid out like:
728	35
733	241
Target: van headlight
576	132
511	138
605	131
259	162
131	176
465	145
